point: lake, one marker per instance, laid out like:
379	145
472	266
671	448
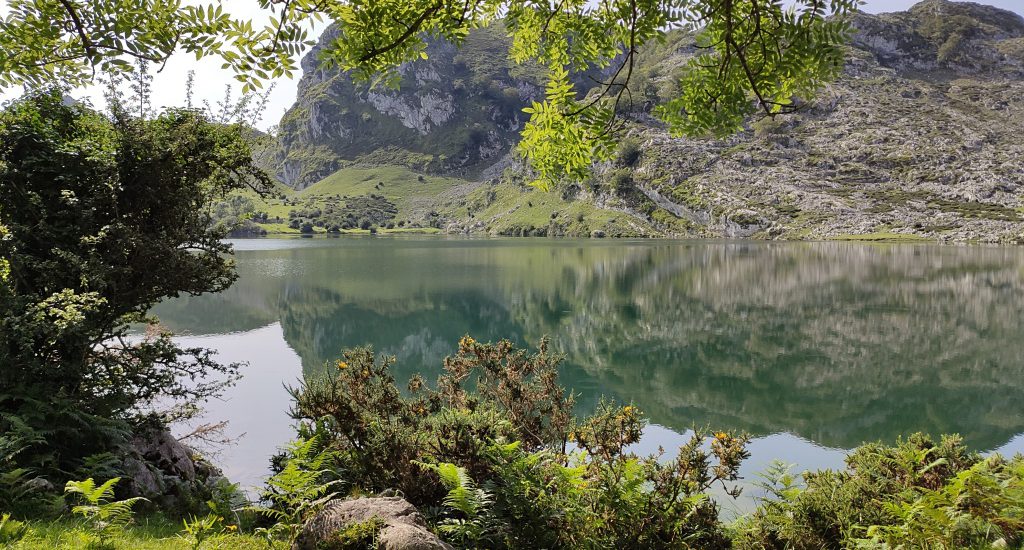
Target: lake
812	348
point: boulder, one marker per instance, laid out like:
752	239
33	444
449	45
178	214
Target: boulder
169	474
160	448
404	527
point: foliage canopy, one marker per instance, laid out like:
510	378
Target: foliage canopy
754	55
104	216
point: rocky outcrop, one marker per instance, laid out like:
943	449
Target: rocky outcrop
454	111
918	137
163	470
403	526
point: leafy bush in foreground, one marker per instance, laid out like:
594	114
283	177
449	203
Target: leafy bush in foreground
509	460
916	494
495	458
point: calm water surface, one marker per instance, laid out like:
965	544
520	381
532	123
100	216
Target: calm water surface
812	348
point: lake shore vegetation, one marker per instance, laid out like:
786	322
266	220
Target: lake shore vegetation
494	456
105	214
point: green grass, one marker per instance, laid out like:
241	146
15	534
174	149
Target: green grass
980	210
510	209
153	533
882	236
400	185
505	208
415	195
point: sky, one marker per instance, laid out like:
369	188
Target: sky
210	80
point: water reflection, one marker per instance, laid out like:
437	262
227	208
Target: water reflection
833	343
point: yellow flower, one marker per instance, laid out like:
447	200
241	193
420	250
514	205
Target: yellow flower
342	365
232	528
721	436
467	341
627	409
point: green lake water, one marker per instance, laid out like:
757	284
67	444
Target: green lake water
812	348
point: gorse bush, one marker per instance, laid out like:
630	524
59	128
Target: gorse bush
379	432
916	494
508	465
494	457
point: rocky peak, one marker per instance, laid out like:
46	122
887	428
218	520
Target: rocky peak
457	111
992	22
939	35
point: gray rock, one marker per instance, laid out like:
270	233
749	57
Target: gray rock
140	479
168	473
403	536
166	453
404	527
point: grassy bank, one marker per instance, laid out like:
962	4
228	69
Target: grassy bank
147	533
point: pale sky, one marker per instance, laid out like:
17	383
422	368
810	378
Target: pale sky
169	85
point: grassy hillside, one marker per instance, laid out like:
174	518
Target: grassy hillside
397	199
918	139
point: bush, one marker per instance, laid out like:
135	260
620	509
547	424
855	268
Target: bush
104	216
629	152
621	181
916	494
504	448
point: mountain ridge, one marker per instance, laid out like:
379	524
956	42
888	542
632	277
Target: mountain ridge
916	140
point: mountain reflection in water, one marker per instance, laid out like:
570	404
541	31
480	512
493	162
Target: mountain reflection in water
831	343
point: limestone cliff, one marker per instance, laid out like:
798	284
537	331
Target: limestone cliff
920	137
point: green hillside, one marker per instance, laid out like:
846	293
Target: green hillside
917	140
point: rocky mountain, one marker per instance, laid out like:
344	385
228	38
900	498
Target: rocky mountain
455	112
919	139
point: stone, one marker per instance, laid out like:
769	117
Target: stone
140	480
166	472
404	527
167	453
403	536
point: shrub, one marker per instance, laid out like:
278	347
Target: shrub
379	432
502	470
621	181
629	152
104	216
916	494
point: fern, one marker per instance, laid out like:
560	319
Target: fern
103	514
471	522
298	491
11	531
15	482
